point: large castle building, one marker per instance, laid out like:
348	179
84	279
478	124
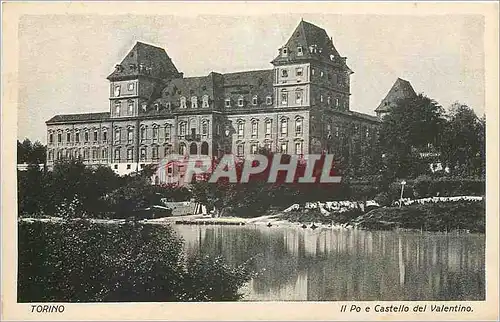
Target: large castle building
299	106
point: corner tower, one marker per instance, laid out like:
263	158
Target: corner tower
309	71
138	79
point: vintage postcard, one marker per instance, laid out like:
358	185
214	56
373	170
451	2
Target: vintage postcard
249	161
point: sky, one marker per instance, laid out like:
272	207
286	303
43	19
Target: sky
64	59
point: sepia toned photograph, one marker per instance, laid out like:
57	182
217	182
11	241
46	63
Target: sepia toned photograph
309	156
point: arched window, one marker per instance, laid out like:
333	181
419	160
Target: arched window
255	100
240	101
193	149
204	148
182	149
255	129
143	133
298	147
204	128
298	96
155	132
182	129
130	135
269	127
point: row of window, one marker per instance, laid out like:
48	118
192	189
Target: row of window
97	154
281	148
365	130
313	49
77	138
117	91
268	127
241	101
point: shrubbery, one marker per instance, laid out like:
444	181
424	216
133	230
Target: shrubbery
468	215
78	261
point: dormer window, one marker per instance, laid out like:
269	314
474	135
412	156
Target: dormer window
157	107
284	52
131	86
269	100
254	100
321	74
205	101
183	102
228	102
194	102
240	101
299	51
337	103
119	68
167	105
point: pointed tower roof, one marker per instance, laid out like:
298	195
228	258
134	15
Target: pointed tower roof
401	89
145	60
313	41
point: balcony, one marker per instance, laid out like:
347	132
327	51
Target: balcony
193	137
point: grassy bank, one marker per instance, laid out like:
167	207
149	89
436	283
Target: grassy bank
450	216
315	216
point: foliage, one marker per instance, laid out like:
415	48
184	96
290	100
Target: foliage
463	143
411	125
32	153
315	216
469	215
425	186
78	261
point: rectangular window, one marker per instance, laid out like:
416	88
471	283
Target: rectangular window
104	154
255	129
167	133
154	152
130	86
77	137
254	100
298	148
240	150
228	102
269	100
284	98
131	108
51	138
155	133
143	133
130	136
194	102
205	101
59	137
117	135
117	155
284	127
298	97
94	154
253	149
182	129
240	102
241	130
284	73
204	128
95	136
143	154
104	136
68	137
299	71
117	90
284	147
86	136
299	51
298	126
337	103
268	128
130	155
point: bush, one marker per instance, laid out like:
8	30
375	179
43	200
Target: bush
444	186
448	216
78	261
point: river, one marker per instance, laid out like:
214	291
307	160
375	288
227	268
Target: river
295	264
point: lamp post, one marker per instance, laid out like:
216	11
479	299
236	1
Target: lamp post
402	189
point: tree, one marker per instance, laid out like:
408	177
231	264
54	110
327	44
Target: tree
410	126
28	152
463	143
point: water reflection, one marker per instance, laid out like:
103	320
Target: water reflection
339	265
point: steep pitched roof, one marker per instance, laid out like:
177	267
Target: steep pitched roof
145	59
76	118
401	89
249	84
315	44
